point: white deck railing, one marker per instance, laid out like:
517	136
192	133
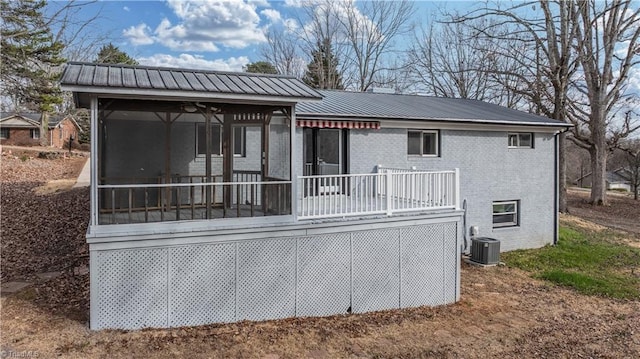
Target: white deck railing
387	192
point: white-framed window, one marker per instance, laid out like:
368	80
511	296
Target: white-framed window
4	133
506	213
239	140
35	133
423	143
520	140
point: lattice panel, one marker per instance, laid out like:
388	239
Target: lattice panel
202	284
132	288
323	275
450	261
375	270
266	279
422	265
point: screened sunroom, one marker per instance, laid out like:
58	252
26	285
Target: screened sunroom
172	145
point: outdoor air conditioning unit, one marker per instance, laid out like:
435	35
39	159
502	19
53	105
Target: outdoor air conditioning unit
485	250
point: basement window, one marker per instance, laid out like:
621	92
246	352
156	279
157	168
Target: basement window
506	214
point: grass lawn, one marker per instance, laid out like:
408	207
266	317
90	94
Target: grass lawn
590	261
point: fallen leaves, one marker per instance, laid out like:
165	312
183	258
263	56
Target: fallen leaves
41	233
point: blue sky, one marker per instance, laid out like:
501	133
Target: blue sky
203	34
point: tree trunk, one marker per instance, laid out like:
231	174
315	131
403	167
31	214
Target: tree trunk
44	128
598	174
562	174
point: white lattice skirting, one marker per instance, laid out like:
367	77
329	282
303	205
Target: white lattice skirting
316	275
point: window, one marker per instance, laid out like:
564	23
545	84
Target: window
4	133
239	145
35	133
239	140
521	140
423	143
506	214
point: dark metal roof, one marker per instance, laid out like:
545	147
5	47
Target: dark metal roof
380	106
54	120
143	80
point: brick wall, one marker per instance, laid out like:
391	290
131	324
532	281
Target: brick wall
20	137
61	133
489	171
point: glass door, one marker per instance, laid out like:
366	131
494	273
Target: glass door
324	155
323	152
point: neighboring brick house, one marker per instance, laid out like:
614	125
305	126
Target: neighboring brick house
24	129
20	129
61	130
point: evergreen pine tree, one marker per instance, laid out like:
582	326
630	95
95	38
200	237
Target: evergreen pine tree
110	54
30	58
322	71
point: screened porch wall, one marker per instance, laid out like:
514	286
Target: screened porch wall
134	152
136	149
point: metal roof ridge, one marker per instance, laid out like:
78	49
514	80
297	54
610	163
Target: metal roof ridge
166	68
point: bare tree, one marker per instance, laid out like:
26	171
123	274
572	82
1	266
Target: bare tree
454	60
282	50
604	29
321	33
545	32
370	30
75	27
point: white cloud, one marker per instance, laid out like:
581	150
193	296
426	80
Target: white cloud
126	8
259	3
290	25
293	3
207	25
195	62
138	35
176	38
272	15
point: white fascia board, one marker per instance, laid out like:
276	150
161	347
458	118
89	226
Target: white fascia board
170	95
467	126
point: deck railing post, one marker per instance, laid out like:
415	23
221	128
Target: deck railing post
457	188
389	189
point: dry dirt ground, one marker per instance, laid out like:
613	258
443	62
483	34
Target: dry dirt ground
502	313
622	212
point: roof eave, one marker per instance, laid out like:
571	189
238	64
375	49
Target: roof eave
302	115
179	95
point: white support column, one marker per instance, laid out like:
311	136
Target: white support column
94	161
294	165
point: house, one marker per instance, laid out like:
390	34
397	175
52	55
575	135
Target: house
63	130
618	179
20	129
23	129
219	197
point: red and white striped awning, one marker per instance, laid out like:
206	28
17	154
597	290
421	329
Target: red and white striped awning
339	124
